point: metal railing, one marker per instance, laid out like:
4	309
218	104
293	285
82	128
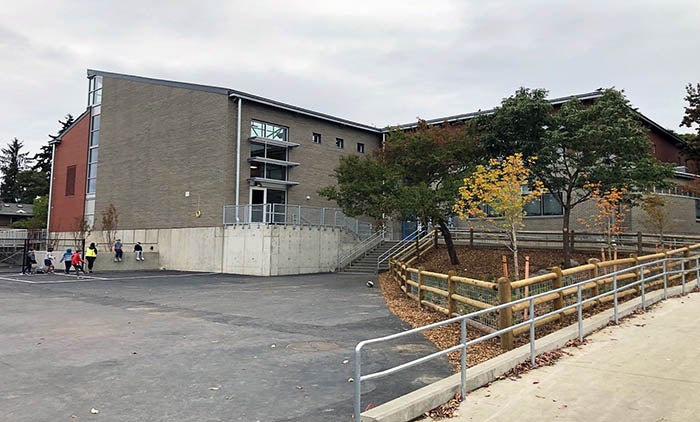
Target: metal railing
300	215
531	321
401	245
362	248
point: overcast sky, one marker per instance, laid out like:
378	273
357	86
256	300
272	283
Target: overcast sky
375	62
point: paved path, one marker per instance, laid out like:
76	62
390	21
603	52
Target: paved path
646	369
166	346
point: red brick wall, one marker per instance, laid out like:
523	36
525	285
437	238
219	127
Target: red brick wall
67	210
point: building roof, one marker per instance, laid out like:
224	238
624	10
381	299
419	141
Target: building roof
58	139
18	210
235	94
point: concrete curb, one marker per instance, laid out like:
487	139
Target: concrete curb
416	403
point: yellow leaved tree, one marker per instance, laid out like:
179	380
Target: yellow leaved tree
612	207
496	195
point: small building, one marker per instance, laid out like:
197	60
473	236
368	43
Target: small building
11	212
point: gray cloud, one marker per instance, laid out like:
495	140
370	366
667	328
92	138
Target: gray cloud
374	62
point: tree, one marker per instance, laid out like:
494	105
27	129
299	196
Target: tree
12	162
692	118
500	187
38	220
110	223
42	160
31	184
82	229
657	217
692	111
611	208
583	145
416	175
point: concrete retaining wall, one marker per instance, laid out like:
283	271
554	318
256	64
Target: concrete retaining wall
253	249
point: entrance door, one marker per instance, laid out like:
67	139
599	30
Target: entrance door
257	207
267	205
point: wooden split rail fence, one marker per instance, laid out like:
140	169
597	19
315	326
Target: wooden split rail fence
454	295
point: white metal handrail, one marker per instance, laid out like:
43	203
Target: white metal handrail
398	247
361	249
462	320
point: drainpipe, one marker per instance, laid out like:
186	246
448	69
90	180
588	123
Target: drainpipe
48	214
238	156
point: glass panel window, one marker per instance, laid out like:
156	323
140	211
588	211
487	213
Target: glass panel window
534	208
277	153
339	143
256	169
92	170
275	172
92	184
257	150
95	138
550	204
697	209
360	147
316	137
92	155
268	130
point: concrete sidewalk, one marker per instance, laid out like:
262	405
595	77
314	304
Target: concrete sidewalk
645	369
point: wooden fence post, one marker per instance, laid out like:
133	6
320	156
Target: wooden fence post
687	264
471	237
451	289
596	272
421	294
557	283
505	315
639	243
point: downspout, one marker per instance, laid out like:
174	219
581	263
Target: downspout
48	213
238	156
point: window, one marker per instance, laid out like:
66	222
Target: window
95	91
316	137
93	149
339	143
547	204
360	148
70	181
697	210
268	131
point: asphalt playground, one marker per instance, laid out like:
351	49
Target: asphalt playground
173	346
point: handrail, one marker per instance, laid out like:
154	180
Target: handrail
399	246
532	319
361	248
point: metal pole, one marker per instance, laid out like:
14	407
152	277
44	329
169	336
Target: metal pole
665	283
532	331
463	369
683	276
697	271
615	296
580	313
299	216
644	304
358	385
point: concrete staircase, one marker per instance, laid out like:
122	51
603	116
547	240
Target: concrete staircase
367	263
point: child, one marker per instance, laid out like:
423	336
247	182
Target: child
77	262
48	263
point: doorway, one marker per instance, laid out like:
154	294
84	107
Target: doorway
267	205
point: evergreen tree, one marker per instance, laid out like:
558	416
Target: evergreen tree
12	162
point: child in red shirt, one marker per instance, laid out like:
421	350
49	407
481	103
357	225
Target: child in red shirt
77	262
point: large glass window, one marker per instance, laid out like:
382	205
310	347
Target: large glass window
95	91
266	130
93	149
547	204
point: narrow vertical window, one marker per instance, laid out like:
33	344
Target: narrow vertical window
360	148
339	143
316	137
70	181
